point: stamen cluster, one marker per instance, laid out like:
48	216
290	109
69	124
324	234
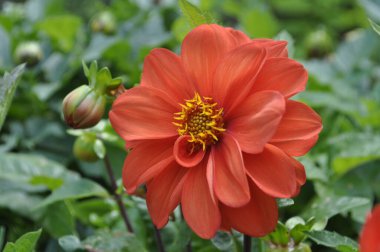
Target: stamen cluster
202	120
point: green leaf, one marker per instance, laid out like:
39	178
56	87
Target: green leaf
280	235
93	73
285	202
336	205
99	149
103	78
62	30
333	240
58	220
75	190
2	236
259	23
8	85
25	243
113	241
375	26
70	243
24	167
194	15
85	69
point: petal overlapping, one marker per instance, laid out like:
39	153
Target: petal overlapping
273	172
230	180
183	154
143	113
257	218
283	75
254	122
298	130
235	75
240	37
163	70
201	212
146	160
275	48
201	51
164	193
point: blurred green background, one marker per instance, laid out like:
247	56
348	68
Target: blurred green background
43	185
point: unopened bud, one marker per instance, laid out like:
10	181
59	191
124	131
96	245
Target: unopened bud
29	52
104	22
83	107
84	148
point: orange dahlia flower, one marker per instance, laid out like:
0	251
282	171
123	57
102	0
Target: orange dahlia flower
213	129
370	236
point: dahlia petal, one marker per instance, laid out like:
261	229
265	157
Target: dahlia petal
240	37
300	175
236	73
257	218
183	154
273	171
298	130
254	121
283	75
163	70
164	193
369	237
230	181
146	160
200	211
201	51
275	48
143	113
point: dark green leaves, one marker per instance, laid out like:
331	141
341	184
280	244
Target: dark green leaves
375	26
8	85
193	14
25	243
333	240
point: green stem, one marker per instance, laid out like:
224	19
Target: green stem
118	199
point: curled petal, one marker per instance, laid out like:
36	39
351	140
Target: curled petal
146	160
183	153
257	218
283	75
230	180
201	212
273	171
164	193
254	122
298	130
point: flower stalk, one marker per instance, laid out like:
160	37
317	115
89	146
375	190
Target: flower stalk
118	199
247	243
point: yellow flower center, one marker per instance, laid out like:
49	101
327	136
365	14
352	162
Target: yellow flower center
202	120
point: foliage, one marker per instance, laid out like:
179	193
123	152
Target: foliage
43	185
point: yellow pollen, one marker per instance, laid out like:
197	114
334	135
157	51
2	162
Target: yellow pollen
202	120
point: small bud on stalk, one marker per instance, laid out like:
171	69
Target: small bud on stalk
83	107
29	52
84	148
104	22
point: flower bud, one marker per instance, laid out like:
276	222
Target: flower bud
83	107
104	22
84	148
318	43
29	52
